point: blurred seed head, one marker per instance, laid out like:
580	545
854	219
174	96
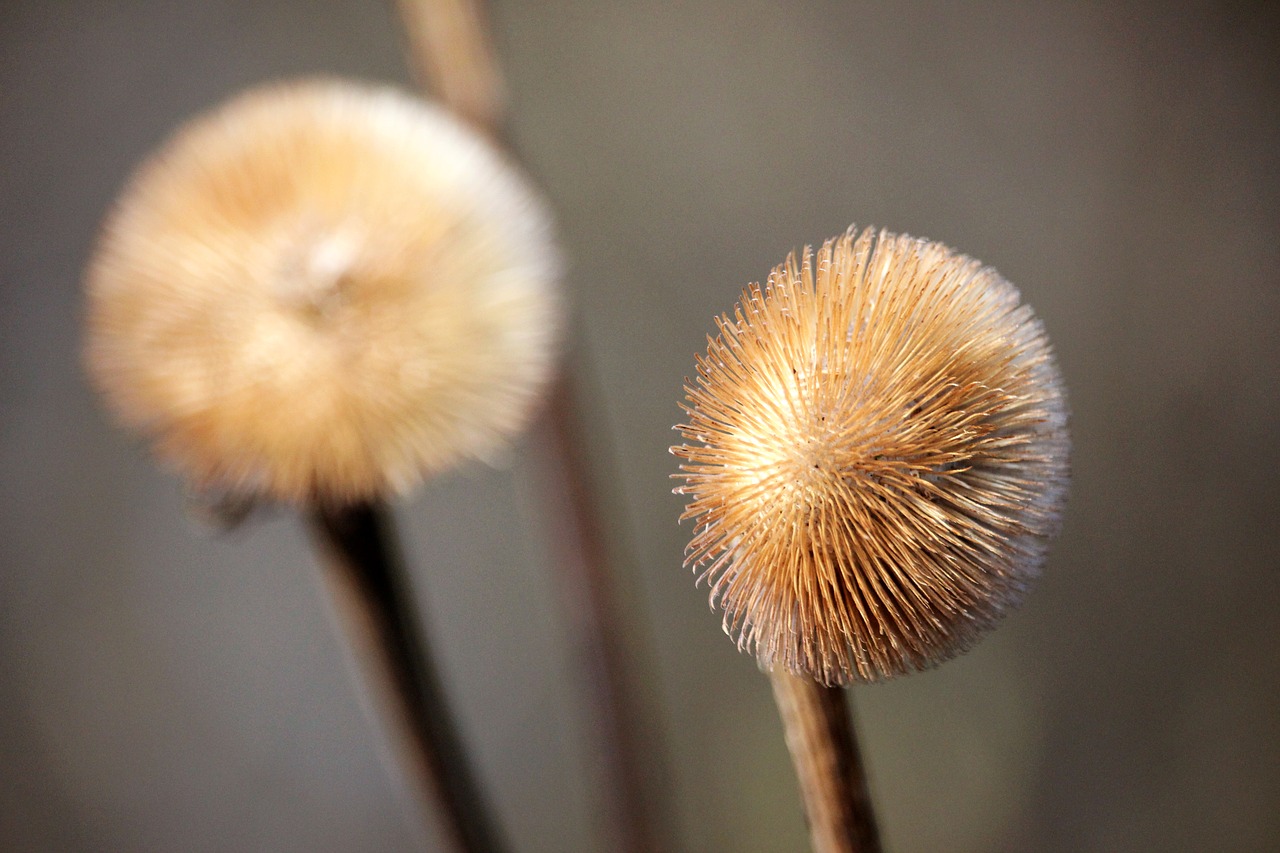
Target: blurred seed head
881	457
321	291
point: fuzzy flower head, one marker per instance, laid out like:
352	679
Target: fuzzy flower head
880	458
321	291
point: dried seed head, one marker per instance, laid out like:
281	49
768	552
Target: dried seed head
882	458
323	292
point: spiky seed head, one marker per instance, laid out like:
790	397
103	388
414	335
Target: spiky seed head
322	291
880	458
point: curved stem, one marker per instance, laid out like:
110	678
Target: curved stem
371	590
824	750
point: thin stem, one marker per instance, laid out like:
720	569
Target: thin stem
453	58
371	589
453	54
596	625
824	751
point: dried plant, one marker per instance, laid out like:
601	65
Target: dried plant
321	292
881	457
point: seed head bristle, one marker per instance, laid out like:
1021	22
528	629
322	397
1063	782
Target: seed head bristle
881	458
322	291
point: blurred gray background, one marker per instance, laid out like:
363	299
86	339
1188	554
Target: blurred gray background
164	688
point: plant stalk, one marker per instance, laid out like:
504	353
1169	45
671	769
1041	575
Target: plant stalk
824	750
452	56
371	591
452	52
597	626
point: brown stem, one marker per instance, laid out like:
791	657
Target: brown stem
453	58
824	751
370	590
596	625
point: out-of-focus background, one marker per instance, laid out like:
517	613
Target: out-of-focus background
166	688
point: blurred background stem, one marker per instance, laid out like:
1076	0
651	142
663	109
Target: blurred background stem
451	51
